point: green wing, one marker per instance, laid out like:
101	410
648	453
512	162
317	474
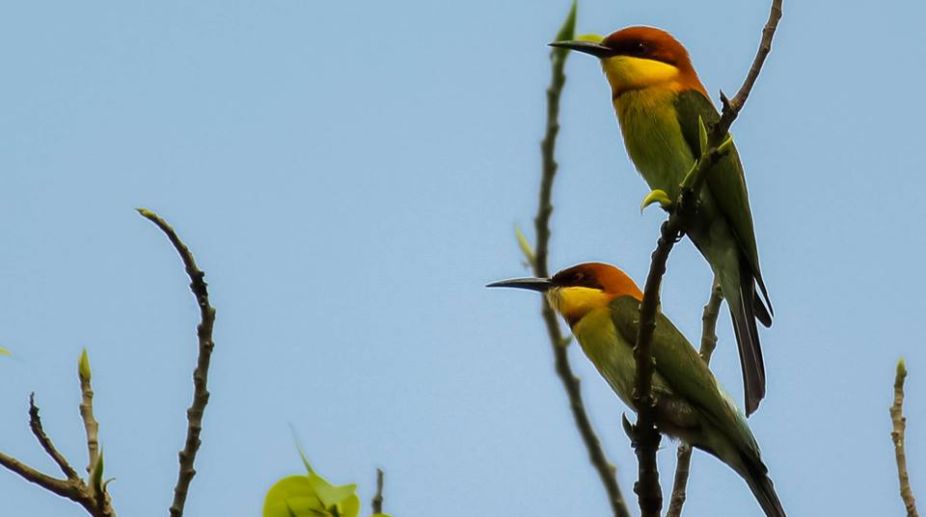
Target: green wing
681	366
725	179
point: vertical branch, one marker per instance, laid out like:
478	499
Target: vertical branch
91	426
897	436
200	374
708	343
606	471
646	436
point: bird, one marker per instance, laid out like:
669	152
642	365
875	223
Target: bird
660	104
601	304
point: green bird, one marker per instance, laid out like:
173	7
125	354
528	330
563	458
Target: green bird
602	306
659	99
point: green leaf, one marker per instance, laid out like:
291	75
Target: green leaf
96	475
305	460
343	497
656	196
4	351
702	134
292	497
525	245
566	32
311	496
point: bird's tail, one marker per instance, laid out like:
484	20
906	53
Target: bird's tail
756	475
739	289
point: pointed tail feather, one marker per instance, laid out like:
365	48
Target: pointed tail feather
740	293
763	314
756	476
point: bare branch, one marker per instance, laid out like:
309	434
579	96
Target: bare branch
378	497
96	503
731	108
54	485
606	471
35	423
897	436
708	343
200	374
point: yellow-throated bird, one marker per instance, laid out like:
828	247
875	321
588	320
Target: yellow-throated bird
658	99
602	306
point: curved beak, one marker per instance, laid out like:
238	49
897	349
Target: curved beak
588	47
534	284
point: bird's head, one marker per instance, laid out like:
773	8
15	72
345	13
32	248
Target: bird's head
635	58
576	291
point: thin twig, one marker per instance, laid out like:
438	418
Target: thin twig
571	383
897	436
96	502
35	423
708	343
60	487
731	108
378	497
200	374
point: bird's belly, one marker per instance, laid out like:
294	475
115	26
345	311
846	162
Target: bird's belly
607	350
654	139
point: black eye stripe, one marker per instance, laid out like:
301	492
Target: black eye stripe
576	279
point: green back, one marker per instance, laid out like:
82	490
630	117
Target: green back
683	369
725	179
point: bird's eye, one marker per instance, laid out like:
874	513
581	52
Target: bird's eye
640	48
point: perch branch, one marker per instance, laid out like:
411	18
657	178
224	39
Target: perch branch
708	343
646	436
200	374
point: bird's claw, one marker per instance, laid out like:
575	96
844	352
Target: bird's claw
656	196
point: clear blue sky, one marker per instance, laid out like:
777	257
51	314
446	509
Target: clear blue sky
349	175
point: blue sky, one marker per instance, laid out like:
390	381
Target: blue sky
349	175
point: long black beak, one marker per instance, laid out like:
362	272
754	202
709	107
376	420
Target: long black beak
588	47
534	284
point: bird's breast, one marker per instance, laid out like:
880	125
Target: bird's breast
608	351
653	137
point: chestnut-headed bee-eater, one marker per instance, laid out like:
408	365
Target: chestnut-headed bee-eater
602	306
659	100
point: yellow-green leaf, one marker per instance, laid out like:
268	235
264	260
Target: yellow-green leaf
311	496
702	134
568	30
525	245
292	497
96	475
